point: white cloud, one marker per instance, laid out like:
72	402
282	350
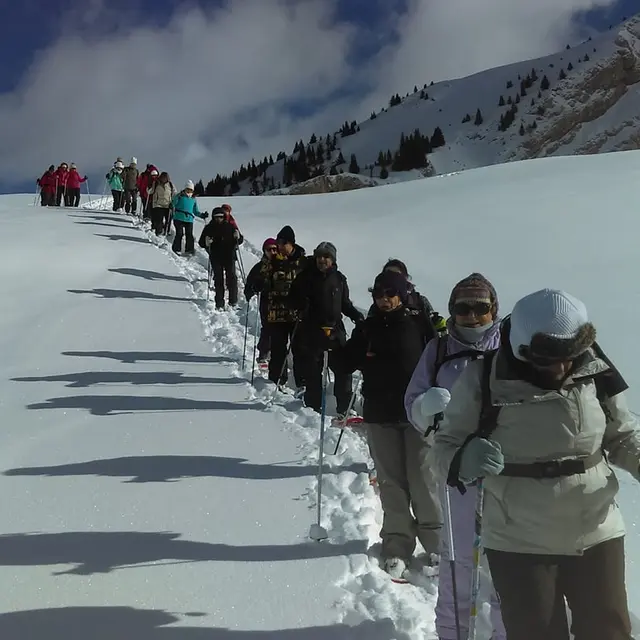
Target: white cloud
183	95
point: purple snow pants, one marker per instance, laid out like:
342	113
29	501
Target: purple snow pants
489	623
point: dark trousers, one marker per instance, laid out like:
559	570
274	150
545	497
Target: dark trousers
224	272
313	361
281	334
532	590
47	198
183	229
118	199
130	200
72	197
159	219
60	195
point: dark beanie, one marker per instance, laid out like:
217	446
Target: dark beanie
286	235
394	263
474	287
326	249
393	283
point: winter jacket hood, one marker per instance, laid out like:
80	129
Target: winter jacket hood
553	515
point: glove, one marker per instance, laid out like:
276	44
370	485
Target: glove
85	178
236	234
480	457
204	215
427	406
439	323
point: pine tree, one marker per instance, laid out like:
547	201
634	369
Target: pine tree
570	67
568	47
422	95
353	165
320	152
415	89
534	125
509	84
389	157
340	159
479	119
233	183
381	159
586	57
198	189
373	115
523	90
509	100
521	132
534	75
437	140
540	110
333	171
539	95
544	84
467	118
501	101
271	163
384	174
313	139
562	75
517	100
533	102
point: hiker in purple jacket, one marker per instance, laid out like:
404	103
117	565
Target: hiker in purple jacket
473	327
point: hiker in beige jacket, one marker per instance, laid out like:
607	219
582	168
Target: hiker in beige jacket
551	527
161	193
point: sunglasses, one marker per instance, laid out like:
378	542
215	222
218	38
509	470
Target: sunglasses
466	308
324	255
384	293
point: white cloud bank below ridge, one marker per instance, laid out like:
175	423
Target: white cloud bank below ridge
210	90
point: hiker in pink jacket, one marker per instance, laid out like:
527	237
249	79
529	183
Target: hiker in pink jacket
74	181
62	175
473	328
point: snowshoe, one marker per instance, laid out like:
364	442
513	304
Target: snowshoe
397	569
345	420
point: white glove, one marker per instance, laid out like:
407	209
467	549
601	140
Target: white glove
208	241
236	234
427	405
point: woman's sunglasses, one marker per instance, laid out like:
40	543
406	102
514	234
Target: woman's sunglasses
466	308
384	293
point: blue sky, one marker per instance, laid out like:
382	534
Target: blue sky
364	44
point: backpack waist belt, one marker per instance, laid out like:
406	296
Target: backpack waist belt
552	468
186	213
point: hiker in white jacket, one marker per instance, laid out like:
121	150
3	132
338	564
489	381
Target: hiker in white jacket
161	194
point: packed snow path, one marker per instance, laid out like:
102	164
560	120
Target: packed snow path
149	491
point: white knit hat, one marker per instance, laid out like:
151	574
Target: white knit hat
189	185
549	312
134	160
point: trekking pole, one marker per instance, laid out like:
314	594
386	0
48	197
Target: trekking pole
38	190
241	265
208	275
256	338
317	532
89	194
352	402
448	523
246	335
475	575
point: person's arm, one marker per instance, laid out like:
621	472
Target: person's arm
622	437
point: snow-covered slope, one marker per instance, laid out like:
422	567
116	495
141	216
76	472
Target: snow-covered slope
153	493
595	109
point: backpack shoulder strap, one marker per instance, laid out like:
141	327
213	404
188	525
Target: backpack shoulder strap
487	420
441	354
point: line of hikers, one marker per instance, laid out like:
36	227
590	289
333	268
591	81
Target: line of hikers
522	415
61	185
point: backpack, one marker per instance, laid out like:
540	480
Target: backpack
442	356
608	384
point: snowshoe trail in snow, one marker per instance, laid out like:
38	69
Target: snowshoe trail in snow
351	509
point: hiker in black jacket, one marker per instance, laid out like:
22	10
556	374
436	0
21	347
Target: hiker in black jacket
221	239
322	294
256	284
386	347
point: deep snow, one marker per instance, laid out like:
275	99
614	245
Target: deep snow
148	484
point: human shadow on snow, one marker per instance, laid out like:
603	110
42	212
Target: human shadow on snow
148	275
132	357
84	379
129	295
106	218
105	551
102	224
116	237
170	468
108	405
127	623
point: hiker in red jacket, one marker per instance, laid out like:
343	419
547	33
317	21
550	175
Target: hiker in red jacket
229	217
47	184
73	187
62	175
145	181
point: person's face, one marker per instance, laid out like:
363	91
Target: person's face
189	192
164	179
386	300
324	262
285	248
271	250
219	219
472	313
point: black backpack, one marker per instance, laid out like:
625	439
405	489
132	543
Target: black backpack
608	384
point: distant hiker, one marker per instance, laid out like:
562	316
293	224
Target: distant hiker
62	175
185	210
282	315
256	285
221	239
145	181
114	180
474	328
321	293
229	216
555	420
47	184
73	186
130	184
430	321
386	347
161	194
